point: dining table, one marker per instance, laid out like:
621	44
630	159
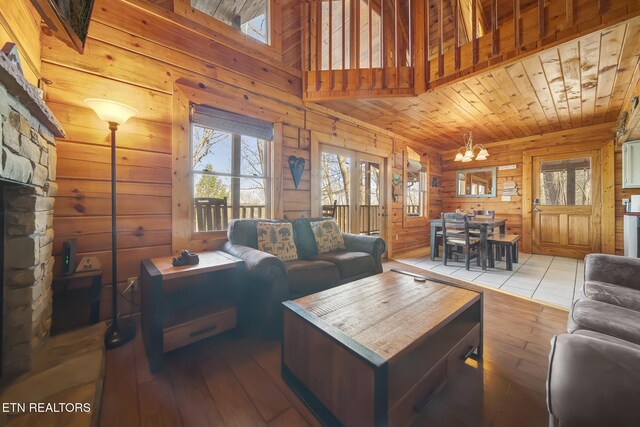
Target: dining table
483	225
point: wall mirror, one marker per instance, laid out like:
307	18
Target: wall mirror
415	181
476	182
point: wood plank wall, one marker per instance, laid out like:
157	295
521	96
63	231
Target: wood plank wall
510	153
136	52
415	234
20	24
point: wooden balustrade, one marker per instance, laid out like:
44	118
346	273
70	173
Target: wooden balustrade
360	47
369	218
245	211
416	45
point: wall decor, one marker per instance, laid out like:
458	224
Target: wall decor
296	164
509	188
435	181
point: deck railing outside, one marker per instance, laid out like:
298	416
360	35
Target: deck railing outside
245	211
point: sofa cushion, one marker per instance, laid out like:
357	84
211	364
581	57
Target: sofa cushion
608	338
244	231
304	238
605	318
308	277
277	239
350	264
328	236
612	294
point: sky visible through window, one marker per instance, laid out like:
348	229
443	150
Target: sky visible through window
212	151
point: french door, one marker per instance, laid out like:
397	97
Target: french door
567	204
355	182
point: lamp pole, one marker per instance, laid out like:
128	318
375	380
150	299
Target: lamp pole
114	113
117	334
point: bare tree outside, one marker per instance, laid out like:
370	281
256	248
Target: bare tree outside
565	182
336	182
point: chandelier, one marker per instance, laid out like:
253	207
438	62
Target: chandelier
468	151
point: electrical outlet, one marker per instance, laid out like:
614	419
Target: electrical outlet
132	282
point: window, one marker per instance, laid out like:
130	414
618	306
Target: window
415	193
416	186
565	182
251	16
229	166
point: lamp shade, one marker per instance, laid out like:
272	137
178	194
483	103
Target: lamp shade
483	153
468	154
466	159
111	111
459	157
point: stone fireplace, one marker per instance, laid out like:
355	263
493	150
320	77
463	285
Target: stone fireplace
27	176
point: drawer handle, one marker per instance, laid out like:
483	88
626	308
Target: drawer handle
469	353
203	330
418	407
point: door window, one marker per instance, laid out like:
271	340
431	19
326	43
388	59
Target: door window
335	175
565	182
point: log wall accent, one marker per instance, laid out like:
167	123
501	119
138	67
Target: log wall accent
20	24
147	56
511	153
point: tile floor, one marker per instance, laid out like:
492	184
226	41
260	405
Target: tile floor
544	278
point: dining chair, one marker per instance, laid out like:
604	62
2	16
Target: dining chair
485	213
490	232
455	233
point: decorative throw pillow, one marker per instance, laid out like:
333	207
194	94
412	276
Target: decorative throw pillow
276	238
328	236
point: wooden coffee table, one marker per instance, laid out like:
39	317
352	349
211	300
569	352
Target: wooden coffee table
373	352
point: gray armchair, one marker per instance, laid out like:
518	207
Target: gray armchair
594	370
593	382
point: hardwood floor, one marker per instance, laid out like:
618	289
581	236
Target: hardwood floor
233	380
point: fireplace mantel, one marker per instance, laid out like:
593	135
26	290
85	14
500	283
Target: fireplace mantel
15	84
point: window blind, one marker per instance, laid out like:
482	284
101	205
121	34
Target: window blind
416	166
231	122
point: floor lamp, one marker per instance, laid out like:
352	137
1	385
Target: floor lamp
123	330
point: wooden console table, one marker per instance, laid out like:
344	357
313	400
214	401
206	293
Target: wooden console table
181	305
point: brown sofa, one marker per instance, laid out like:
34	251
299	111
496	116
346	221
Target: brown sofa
270	281
594	370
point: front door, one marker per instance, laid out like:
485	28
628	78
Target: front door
566	204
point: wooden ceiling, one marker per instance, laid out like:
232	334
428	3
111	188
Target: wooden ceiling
579	83
227	10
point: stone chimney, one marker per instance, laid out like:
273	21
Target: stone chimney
27	176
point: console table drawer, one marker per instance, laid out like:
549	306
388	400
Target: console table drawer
190	331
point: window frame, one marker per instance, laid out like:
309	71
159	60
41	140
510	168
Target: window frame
274	45
231	202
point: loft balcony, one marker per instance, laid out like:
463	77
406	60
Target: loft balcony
400	48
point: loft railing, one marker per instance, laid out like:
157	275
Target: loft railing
406	47
357	46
